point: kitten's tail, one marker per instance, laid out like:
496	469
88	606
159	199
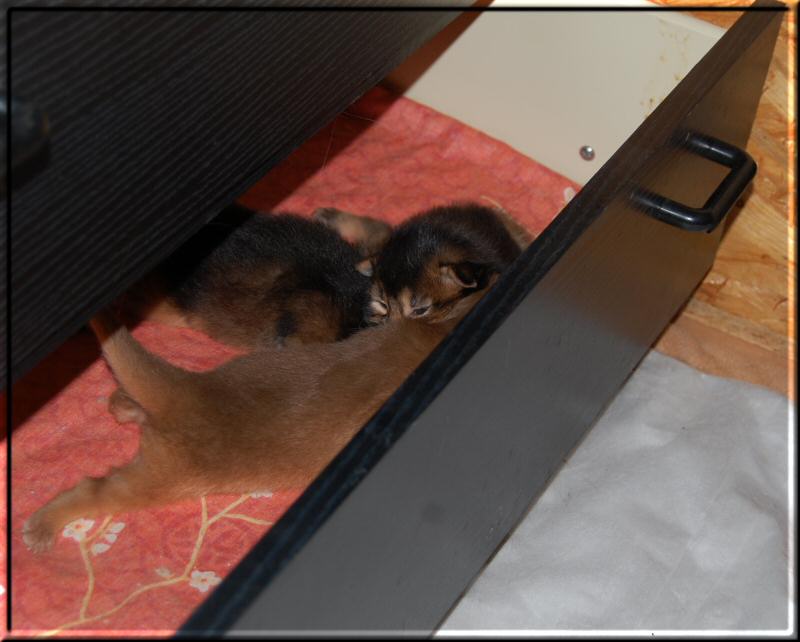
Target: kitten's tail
146	378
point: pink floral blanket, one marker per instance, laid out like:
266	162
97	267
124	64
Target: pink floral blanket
143	573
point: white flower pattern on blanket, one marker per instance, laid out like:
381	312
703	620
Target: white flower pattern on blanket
141	582
204	580
78	529
89	542
110	536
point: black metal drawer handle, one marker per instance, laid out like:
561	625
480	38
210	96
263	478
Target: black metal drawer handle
30	137
706	218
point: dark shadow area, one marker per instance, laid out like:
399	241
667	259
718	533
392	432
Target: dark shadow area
354	121
737	209
28	168
726	225
402	78
51	375
316	152
30	142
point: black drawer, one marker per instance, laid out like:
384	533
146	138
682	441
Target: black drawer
393	531
157	120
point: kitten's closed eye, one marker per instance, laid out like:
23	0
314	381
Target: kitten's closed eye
414	304
420	307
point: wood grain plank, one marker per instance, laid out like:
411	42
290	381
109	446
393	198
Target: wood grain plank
745	305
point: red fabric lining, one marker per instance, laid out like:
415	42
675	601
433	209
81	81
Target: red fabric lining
385	157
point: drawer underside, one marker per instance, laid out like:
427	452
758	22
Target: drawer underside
157	120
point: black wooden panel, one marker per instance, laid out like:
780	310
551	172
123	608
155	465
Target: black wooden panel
3	226
3	293
391	533
157	120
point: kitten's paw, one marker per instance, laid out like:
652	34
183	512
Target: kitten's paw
37	534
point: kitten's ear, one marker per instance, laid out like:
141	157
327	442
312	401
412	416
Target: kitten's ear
365	233
465	275
366	267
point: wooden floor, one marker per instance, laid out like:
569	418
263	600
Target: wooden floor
741	322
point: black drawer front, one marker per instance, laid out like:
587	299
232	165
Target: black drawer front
157	120
392	532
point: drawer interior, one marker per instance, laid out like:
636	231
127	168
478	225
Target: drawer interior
549	83
511	136
386	156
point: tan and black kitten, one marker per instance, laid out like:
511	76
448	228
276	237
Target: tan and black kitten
273	418
250	279
437	258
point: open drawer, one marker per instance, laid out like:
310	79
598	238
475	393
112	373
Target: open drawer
395	528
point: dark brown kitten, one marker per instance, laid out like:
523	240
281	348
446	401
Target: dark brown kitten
250	279
437	258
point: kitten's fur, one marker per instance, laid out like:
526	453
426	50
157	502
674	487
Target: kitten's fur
270	419
436	258
368	235
275	417
250	279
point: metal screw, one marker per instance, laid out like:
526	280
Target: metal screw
587	152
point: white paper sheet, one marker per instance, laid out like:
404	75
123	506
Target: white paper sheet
672	514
